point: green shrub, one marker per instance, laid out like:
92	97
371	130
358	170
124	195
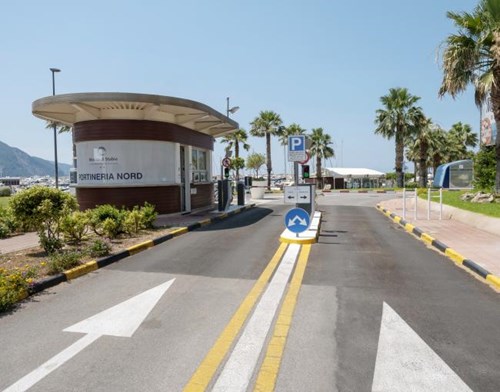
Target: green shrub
106	220
75	226
134	221
139	218
99	248
411	185
112	228
41	209
8	224
149	214
485	169
14	285
49	244
63	261
5	191
4	231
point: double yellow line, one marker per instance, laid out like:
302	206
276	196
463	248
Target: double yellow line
268	373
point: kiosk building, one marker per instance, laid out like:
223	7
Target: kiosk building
136	148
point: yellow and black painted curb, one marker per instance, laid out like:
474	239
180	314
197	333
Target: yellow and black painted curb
443	248
105	261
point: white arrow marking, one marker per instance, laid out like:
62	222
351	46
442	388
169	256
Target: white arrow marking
406	363
293	221
120	320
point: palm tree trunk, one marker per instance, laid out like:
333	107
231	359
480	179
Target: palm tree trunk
237	155
319	177
495	101
269	163
422	165
399	158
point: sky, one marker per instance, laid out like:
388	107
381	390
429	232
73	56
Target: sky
318	63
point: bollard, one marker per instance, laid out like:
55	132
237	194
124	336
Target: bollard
220	196
240	188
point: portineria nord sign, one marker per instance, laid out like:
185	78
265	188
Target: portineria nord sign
125	162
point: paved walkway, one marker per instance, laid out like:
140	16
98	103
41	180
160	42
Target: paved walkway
464	232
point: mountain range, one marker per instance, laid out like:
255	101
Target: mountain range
16	163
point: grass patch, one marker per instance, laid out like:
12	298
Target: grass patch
452	198
4	200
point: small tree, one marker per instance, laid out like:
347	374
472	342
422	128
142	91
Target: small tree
41	209
237	164
485	168
255	161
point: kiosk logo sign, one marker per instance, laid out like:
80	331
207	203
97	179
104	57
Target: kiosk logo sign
99	156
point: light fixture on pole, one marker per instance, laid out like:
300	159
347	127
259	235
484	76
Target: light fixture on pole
54	70
233	110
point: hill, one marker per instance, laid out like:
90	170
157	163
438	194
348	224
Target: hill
16	163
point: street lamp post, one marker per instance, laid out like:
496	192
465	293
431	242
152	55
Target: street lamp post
233	110
54	70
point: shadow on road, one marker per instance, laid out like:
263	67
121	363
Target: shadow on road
245	218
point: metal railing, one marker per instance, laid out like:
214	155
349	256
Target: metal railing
413	195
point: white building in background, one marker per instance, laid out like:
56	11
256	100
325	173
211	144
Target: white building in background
346	178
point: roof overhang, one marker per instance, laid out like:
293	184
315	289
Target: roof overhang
73	108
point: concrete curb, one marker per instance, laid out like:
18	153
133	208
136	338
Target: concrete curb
105	261
453	255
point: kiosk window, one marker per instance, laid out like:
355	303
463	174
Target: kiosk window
199	164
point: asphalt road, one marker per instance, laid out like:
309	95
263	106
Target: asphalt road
363	277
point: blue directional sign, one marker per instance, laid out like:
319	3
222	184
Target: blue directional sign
297	220
296	148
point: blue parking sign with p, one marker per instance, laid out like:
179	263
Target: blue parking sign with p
296	148
297	143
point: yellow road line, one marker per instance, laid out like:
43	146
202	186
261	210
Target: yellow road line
266	379
203	375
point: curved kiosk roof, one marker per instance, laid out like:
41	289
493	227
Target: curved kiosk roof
73	108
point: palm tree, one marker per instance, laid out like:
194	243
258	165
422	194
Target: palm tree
284	132
59	126
424	143
320	148
411	154
62	128
397	120
439	149
233	141
472	56
461	137
266	125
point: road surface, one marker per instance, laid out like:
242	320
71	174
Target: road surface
370	309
